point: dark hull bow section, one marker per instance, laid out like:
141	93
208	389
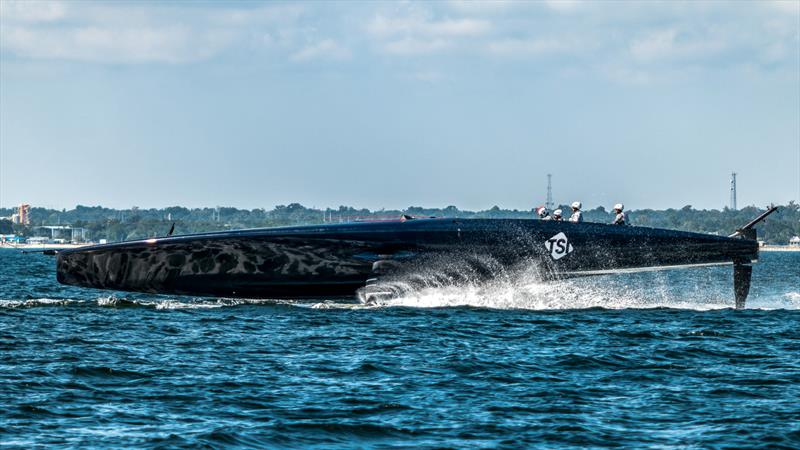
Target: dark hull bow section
337	260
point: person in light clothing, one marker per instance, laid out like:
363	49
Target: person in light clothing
576	216
557	215
621	218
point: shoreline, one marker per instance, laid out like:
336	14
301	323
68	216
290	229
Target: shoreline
41	246
779	248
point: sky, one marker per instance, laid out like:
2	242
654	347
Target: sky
397	104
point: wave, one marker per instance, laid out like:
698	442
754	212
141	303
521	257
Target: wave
123	302
190	303
31	303
523	292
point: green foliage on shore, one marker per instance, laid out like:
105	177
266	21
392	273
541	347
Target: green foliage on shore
6	227
137	223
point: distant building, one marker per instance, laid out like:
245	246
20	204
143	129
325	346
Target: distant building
795	241
56	233
22	216
10	239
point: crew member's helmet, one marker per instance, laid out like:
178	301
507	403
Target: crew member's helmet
541	211
557	213
576	205
619	207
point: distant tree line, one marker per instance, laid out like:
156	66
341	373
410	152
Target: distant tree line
136	223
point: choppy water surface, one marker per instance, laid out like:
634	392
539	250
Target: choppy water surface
640	360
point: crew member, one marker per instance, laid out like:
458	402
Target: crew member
621	218
543	213
557	215
576	216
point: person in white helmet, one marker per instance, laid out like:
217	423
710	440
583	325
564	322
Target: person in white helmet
542	213
576	216
621	218
557	215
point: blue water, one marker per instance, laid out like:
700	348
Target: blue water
639	361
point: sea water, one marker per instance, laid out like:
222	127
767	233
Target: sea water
636	360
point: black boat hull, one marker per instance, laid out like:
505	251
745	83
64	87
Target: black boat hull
330	261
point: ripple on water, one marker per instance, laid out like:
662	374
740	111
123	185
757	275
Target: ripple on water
654	360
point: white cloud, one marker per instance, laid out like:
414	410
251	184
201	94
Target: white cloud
424	26
669	44
131	45
326	49
30	11
460	27
531	47
484	7
787	6
641	39
415	31
655	45
107	33
563	5
264	15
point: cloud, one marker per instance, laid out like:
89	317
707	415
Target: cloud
264	15
563	5
787	6
326	49
420	25
31	12
669	44
531	47
638	42
486	7
102	33
417	31
654	45
131	45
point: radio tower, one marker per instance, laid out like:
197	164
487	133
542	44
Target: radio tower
733	191
549	204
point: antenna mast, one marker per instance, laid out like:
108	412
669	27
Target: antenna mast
733	191
549	204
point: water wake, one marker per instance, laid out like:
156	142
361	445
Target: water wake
186	303
524	291
555	295
122	302
694	290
